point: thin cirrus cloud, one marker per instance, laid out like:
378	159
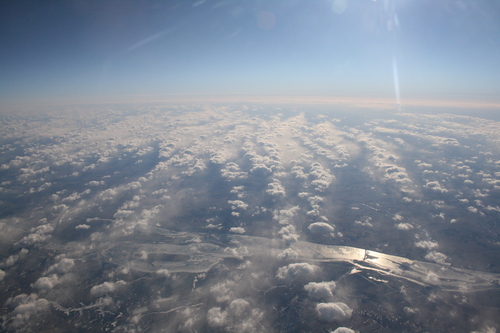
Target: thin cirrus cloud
154	37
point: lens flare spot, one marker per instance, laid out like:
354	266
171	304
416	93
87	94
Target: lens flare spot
339	6
266	20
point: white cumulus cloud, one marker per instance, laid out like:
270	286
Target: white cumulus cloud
343	330
436	257
26	307
106	287
237	230
297	271
63	266
404	226
427	244
321	228
46	283
333	311
288	254
320	290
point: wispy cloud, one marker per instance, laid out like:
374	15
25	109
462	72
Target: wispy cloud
152	38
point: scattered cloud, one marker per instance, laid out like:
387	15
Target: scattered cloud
427	244
343	330
238	315
106	287
404	226
288	254
26	306
46	283
113	182
237	230
321	228
63	266
297	271
320	290
333	311
163	272
436	257
12	259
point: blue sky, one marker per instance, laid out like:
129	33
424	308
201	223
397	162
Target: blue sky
93	50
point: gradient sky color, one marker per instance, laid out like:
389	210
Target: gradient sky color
91	50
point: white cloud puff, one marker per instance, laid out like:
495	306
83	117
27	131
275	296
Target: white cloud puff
237	204
343	330
275	188
46	283
223	291
436	186
425	165
239	316
321	228
39	234
432	277
365	223
333	311
12	259
397	217
472	209
261	169
163	272
238	307
427	244
298	172
237	230
436	257
26	307
289	234
320	290
232	171
288	254
285	216
323	178
216	317
106	287
404	226
297	271
63	266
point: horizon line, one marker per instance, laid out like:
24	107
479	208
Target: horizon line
367	101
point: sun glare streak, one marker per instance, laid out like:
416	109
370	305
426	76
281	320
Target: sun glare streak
396	80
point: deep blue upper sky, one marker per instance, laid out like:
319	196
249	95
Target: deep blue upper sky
64	50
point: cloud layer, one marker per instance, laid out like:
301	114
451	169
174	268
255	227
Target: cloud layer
188	218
